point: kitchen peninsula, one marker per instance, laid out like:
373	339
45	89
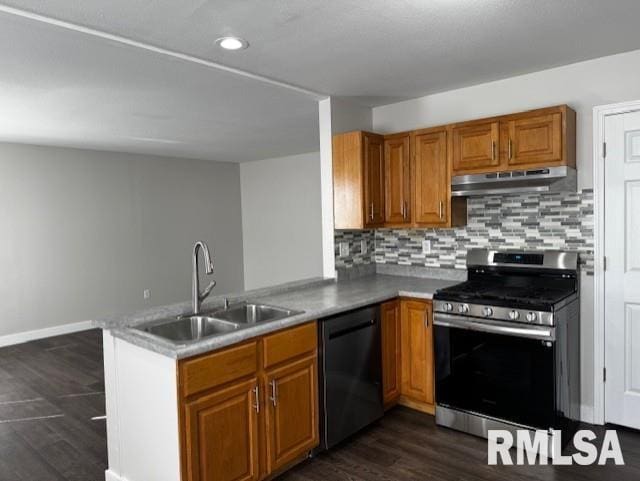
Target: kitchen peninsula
160	394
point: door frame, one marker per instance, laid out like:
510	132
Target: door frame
600	113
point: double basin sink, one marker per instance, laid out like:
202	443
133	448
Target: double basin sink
191	328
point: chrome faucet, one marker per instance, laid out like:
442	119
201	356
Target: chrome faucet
195	291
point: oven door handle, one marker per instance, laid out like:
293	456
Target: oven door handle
457	322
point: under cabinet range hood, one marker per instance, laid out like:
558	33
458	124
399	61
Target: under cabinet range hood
547	179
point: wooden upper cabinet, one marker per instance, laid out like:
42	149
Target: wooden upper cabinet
390	313
539	139
404	180
222	434
431	183
358	180
417	352
397	172
348	181
476	147
373	179
292	412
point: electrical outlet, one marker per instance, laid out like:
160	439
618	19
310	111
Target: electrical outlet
364	248
344	249
426	246
146	293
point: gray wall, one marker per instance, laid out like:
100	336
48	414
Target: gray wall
85	232
281	219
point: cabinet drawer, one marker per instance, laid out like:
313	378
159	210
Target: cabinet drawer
218	368
289	344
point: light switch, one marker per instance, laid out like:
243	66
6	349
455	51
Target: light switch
426	246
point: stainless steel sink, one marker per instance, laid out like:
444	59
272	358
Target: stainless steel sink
189	329
248	313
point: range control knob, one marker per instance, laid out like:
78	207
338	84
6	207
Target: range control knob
463	308
531	317
514	315
448	307
487	311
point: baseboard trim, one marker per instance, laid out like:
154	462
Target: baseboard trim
111	476
586	414
20	337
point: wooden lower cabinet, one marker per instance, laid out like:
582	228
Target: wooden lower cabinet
222	434
292	414
252	426
390	314
250	411
417	359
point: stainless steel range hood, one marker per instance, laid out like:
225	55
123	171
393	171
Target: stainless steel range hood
548	179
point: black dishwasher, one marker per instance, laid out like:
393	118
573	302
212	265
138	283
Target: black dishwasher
350	374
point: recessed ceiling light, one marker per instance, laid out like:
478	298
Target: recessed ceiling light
232	43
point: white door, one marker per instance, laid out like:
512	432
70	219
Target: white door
622	275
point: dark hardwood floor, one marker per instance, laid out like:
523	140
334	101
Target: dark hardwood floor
407	445
50	390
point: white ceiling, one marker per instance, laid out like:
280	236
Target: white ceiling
377	51
64	88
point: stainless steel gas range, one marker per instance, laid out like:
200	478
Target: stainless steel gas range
507	344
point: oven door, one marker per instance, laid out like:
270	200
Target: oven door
496	369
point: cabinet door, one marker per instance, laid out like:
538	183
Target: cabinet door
348	181
431	178
535	141
417	351
292	412
390	352
222	434
373	180
397	180
475	148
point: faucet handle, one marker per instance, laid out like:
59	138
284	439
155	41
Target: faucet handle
207	290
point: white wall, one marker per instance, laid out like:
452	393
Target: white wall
347	115
85	232
582	86
281	219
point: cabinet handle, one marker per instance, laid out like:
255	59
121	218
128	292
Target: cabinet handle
493	150
441	209
404	209
256	392
510	151
274	393
426	319
371	211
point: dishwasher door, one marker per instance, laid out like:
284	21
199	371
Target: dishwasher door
351	374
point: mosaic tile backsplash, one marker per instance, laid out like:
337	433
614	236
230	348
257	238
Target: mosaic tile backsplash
524	221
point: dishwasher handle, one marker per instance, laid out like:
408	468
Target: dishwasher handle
349	330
